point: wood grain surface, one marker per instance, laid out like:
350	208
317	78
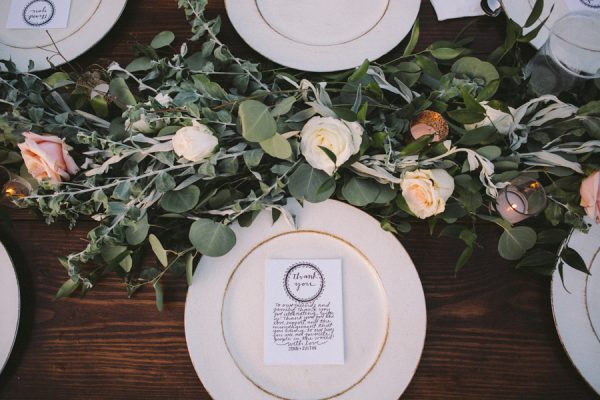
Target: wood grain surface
490	332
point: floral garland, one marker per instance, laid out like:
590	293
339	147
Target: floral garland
168	152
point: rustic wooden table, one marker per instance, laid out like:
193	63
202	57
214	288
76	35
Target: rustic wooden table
490	332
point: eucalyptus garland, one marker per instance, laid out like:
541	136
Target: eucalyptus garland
168	151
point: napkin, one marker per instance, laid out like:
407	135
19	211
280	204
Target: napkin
448	9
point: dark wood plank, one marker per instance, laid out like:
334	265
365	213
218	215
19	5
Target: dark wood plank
490	332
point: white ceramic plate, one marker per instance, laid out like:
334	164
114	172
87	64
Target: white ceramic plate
10	305
384	310
576	307
519	10
89	21
317	35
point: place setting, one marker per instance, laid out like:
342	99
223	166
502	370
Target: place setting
282	197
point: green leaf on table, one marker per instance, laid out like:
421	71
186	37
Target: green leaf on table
66	289
360	72
470	103
158	294
139	64
189	268
536	12
120	91
515	242
112	253
138	231
306	183
162	39
277	146
283	107
537	258
464	257
360	192
414	38
465	116
552	236
490	152
574	260
179	201
445	53
158	250
416	146
211	238
58	79
474	68
591	108
257	122
100	106
164	182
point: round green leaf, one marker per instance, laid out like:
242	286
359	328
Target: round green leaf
515	242
311	184
490	152
136	233
277	146
211	238
163	39
119	89
445	53
257	122
473	68
179	201
360	192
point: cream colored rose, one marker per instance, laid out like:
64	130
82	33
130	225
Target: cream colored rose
426	191
47	157
589	191
194	143
502	121
342	138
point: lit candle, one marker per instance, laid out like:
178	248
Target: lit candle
512	205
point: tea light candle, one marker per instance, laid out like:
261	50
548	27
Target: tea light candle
15	189
512	206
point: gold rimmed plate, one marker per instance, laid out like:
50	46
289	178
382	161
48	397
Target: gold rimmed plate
383	302
88	22
315	35
576	306
10	305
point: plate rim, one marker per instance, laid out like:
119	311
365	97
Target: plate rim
556	284
418	301
21	57
3	363
244	26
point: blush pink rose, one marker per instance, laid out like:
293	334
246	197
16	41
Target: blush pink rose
47	157
590	196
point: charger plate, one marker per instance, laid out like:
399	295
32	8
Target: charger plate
10	305
576	307
89	21
316	35
519	10
384	309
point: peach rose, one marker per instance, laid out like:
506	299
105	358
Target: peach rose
590	199
47	157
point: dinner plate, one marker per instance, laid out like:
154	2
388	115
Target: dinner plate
519	10
88	22
383	306
10	305
576	307
316	35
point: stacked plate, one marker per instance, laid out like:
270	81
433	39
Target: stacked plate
10	305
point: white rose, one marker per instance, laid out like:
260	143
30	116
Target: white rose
146	124
502	121
194	143
342	138
426	191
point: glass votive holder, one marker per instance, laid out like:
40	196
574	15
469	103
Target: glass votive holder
13	186
524	197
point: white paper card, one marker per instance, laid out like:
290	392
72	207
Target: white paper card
38	14
303	316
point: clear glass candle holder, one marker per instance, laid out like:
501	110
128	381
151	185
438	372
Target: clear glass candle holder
524	197
571	53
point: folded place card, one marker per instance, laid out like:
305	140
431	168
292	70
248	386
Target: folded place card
38	14
303	316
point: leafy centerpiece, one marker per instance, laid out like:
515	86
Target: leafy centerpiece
167	152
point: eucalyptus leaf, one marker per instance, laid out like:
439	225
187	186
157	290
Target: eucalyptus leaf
277	146
137	233
514	242
211	238
257	122
305	184
158	249
162	39
360	192
179	201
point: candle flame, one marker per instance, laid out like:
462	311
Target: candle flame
10	191
534	185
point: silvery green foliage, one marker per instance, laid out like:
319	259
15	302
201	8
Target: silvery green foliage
120	122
